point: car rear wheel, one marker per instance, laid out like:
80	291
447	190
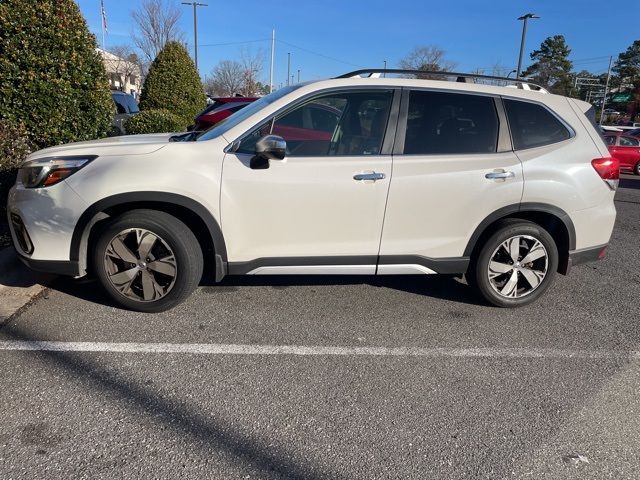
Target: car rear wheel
636	170
516	264
148	260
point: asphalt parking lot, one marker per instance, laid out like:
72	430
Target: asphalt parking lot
358	377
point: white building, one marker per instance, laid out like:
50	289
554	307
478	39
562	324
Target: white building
123	75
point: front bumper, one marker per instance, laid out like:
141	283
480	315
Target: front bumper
47	218
57	267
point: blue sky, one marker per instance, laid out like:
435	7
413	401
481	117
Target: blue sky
354	33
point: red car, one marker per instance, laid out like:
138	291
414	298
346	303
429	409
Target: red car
220	109
626	149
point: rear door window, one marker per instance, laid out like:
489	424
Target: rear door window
450	123
629	142
532	125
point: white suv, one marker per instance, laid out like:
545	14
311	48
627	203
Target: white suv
354	175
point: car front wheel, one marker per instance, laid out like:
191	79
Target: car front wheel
148	260
516	264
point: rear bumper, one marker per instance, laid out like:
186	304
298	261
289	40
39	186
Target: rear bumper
586	255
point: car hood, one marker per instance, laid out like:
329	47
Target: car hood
125	145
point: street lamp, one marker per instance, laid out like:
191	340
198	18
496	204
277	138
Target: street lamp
195	27
525	19
512	71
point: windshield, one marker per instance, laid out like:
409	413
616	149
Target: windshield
240	116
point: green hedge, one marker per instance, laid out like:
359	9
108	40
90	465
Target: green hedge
174	84
14	148
52	80
154	121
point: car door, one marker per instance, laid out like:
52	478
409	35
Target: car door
627	151
320	210
453	166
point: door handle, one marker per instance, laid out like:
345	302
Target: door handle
499	175
369	176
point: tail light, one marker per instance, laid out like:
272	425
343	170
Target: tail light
609	170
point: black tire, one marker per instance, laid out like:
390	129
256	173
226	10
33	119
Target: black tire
508	229
636	170
187	259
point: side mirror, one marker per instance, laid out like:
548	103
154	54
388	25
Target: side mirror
269	147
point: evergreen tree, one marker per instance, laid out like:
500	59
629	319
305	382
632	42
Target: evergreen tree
627	66
173	84
552	67
52	80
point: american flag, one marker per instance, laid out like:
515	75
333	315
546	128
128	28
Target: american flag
104	16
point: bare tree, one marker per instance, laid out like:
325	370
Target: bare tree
427	58
226	79
252	64
232	77
157	24
125	62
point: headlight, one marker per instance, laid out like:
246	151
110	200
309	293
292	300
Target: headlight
45	172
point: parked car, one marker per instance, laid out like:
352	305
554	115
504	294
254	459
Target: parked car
626	149
610	111
217	111
370	176
126	107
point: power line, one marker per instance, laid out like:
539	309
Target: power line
321	54
235	43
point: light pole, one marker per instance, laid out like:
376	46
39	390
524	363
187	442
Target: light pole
298	75
525	19
195	27
288	66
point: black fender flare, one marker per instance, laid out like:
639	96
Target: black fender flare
522	207
95	213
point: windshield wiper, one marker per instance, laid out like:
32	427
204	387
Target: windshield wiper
184	137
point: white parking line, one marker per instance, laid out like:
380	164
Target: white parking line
234	349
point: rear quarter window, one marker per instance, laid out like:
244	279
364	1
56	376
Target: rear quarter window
532	125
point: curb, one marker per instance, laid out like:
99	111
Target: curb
18	284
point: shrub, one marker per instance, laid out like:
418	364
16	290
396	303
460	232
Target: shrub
173	83
154	121
14	148
51	77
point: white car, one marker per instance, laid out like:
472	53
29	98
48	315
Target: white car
367	176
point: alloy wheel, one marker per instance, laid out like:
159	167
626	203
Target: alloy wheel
518	266
140	265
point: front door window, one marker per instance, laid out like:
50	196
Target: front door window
337	124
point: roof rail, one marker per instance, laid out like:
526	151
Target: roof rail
460	77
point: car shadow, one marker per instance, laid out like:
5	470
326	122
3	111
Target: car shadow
633	183
443	287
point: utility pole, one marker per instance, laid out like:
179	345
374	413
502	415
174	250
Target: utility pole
288	66
606	89
273	51
384	75
525	18
195	6
298	75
